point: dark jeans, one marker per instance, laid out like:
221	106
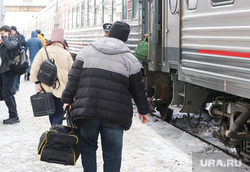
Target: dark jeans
111	139
6	87
59	110
16	83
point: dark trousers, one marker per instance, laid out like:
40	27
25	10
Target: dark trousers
111	139
6	87
16	83
59	110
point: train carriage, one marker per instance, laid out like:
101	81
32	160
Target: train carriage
82	20
199	53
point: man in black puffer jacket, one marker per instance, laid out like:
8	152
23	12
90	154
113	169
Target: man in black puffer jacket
8	49
102	82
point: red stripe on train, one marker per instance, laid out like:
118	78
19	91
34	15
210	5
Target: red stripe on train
225	53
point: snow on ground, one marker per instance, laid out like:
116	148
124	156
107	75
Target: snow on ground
153	147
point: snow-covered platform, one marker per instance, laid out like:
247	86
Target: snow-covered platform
152	147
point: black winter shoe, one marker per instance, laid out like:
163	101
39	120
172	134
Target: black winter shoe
11	120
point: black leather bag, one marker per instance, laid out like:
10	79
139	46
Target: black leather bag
47	73
60	145
43	104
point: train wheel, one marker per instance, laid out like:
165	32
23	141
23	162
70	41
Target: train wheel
166	113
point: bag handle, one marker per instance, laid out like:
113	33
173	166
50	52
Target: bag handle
70	120
145	39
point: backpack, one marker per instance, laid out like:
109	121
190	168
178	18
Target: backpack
47	73
20	62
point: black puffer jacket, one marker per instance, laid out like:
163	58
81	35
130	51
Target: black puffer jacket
102	82
8	49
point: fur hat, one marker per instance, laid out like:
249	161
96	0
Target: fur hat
57	35
120	30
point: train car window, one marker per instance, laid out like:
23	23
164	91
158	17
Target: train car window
98	12
83	15
115	16
135	9
222	2
125	10
107	7
70	18
192	4
173	5
74	17
77	16
90	13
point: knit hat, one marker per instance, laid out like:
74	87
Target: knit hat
57	35
13	28
120	30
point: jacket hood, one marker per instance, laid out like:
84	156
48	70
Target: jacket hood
110	46
33	34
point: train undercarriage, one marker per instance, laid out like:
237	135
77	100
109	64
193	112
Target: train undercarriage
167	94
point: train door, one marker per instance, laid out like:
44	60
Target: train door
171	34
158	83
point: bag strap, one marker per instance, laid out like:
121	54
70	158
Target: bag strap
42	88
69	118
52	60
46	53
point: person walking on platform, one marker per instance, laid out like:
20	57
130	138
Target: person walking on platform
34	45
63	61
8	48
20	36
103	80
41	37
22	40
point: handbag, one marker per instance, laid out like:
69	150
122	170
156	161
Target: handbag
43	104
60	145
141	51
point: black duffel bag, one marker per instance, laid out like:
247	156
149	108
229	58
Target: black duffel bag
60	145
